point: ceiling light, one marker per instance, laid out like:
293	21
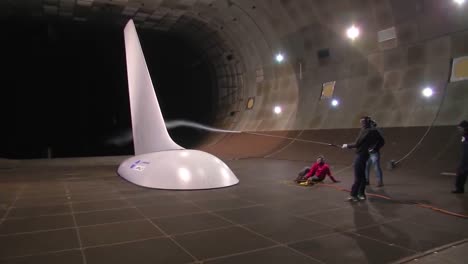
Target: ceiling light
279	57
335	102
277	110
427	92
352	32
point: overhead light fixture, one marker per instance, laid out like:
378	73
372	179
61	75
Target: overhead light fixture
427	92
352	32
277	110
335	102
459	2
279	57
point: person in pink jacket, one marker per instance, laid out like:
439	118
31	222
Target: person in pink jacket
316	173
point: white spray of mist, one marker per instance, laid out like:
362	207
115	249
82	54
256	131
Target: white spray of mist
179	123
126	137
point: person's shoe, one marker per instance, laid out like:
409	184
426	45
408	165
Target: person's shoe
352	199
458	191
362	197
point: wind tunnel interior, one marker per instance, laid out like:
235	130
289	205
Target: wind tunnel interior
65	94
214	63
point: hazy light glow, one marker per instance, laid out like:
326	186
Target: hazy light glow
184	154
353	32
427	92
279	57
184	174
277	110
225	173
335	102
459	2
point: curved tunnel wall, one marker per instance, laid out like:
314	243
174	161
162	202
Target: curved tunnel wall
239	39
381	79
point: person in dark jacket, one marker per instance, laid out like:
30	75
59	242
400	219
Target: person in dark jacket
462	170
374	157
366	139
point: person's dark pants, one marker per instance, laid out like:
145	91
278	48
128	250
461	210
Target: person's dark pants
460	181
359	186
301	175
317	179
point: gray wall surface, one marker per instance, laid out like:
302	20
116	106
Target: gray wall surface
240	38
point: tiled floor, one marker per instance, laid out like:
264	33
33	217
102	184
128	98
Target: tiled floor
88	214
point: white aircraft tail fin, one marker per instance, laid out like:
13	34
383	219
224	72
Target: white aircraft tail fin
149	129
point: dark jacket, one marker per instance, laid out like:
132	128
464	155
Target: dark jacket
463	167
368	138
379	144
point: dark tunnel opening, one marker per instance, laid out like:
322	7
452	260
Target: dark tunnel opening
66	93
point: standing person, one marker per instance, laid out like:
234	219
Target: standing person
462	170
316	173
366	139
374	157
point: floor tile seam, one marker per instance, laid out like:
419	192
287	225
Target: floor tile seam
202	230
102	200
38	231
40	194
72	227
315	222
228	209
262	205
40	197
250	201
171	238
112	223
390	221
335	227
240	253
280	243
61	214
429	226
227	197
102	210
165	234
39	254
7	212
177	215
311	213
161	204
290	243
155	218
122	242
126	197
263	236
78	235
360	211
126	242
431	251
65	203
384	242
92	201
